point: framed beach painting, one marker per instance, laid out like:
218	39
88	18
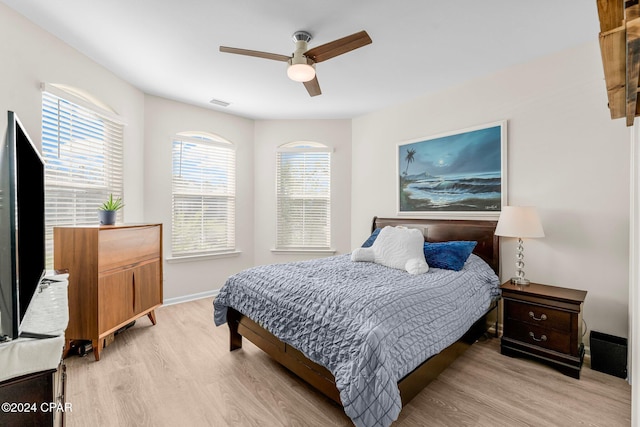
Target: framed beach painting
461	173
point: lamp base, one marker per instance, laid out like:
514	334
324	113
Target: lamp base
520	281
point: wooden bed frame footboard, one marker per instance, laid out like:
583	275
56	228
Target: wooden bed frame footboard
291	358
434	230
323	380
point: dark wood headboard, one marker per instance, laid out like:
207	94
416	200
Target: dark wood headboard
443	230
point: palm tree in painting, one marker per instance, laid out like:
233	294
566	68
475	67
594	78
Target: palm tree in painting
409	158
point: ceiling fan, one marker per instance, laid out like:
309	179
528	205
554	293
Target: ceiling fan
303	60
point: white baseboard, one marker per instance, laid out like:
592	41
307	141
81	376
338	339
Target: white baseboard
192	297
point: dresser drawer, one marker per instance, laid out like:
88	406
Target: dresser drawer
549	339
538	315
121	247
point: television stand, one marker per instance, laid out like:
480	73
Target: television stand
32	369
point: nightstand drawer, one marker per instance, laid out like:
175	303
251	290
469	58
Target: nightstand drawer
542	337
538	315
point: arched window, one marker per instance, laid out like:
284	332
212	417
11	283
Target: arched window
303	181
82	145
203	194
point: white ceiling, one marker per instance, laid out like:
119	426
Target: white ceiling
169	48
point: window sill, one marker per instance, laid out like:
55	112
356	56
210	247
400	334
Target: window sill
202	257
303	251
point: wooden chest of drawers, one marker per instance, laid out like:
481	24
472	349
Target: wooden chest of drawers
544	322
115	277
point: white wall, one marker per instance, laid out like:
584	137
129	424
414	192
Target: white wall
633	359
565	156
163	120
32	56
36	56
269	134
256	144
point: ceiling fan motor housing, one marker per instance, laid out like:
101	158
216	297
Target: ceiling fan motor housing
301	39
301	36
301	68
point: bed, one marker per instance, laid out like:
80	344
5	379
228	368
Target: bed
356	344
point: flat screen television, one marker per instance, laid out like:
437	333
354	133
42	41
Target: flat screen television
22	227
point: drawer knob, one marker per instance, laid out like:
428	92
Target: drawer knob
533	337
533	316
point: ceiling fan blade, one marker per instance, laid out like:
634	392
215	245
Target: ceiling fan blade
313	87
338	47
256	53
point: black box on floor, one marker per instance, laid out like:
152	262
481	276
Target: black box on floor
608	354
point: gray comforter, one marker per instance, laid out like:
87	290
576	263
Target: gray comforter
368	324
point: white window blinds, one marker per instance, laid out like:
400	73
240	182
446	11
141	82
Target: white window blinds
83	152
303	196
204	195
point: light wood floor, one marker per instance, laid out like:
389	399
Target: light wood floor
180	373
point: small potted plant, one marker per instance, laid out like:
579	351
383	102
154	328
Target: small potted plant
107	212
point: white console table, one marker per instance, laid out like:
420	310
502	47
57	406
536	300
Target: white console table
31	369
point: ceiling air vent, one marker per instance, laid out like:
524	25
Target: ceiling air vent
219	102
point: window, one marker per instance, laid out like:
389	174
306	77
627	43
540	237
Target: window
83	151
304	196
204	195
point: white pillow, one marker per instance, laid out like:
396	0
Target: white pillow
396	247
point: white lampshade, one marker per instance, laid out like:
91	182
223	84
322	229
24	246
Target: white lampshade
519	221
301	72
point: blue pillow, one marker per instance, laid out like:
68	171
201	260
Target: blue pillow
367	243
448	255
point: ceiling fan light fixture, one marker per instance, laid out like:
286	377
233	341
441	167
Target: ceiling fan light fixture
302	62
301	72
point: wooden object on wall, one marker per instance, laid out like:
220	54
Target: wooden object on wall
620	49
115	277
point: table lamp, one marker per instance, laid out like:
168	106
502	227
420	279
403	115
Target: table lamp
521	222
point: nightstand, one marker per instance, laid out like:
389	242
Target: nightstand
545	323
